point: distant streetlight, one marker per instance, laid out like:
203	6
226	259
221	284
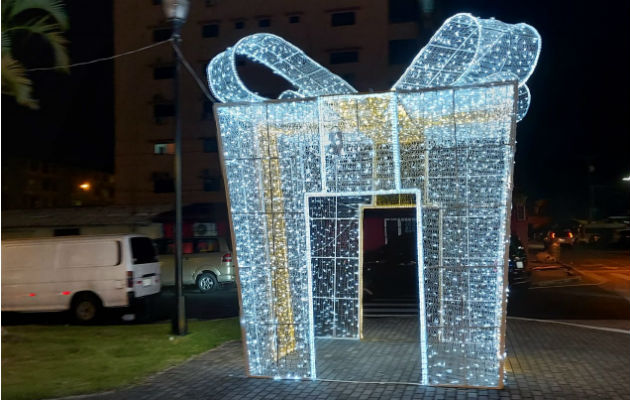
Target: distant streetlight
176	11
85	186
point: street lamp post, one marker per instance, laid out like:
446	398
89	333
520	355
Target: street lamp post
176	11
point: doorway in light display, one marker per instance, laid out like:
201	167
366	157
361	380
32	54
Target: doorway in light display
389	349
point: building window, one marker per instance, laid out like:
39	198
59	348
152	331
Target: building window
163	183
165	72
294	19
349	77
211	184
66	232
402	51
343	57
161	34
264	23
210	30
164	148
210	145
48	185
207	113
343	18
239	25
403	11
163	110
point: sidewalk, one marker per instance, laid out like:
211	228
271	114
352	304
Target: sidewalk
547	270
545	361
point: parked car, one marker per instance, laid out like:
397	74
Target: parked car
207	263
518	269
562	237
587	235
82	274
621	238
391	271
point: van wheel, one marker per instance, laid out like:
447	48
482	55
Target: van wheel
86	308
207	282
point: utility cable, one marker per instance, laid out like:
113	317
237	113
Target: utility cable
176	48
97	60
192	72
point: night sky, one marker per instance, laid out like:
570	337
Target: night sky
578	116
74	124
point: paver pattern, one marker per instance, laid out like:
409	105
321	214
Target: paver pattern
388	352
545	361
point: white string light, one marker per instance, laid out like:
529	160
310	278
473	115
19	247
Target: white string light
298	171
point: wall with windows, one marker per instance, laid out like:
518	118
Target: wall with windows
33	184
367	42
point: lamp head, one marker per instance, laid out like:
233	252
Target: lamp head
176	9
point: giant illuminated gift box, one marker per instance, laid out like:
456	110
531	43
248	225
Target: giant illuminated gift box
300	169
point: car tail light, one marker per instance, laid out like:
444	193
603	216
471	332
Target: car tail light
553	235
227	257
570	235
130	279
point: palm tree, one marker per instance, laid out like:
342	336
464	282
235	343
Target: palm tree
21	19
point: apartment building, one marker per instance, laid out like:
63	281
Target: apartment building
34	184
367	42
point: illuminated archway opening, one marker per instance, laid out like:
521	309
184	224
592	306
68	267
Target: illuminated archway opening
336	248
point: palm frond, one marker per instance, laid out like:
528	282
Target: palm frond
15	82
51	34
53	8
6	42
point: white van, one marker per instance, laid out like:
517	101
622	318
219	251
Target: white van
78	273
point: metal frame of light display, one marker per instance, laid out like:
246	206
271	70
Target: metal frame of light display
298	171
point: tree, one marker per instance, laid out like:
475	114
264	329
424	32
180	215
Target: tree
22	20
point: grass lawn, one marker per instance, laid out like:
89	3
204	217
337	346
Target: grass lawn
52	361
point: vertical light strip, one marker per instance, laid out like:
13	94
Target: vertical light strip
322	146
393	112
421	292
309	271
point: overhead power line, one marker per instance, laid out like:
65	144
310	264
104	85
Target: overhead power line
97	60
183	60
192	72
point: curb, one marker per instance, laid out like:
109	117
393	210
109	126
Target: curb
552	321
574	279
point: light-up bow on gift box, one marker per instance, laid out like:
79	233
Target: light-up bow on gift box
465	50
299	171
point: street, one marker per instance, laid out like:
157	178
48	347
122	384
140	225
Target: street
609	269
222	303
586	284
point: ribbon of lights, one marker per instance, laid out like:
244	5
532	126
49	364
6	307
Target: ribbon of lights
298	172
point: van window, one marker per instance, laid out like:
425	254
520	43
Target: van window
89	254
189	246
28	256
142	250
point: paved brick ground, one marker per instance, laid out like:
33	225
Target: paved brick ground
389	352
545	361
